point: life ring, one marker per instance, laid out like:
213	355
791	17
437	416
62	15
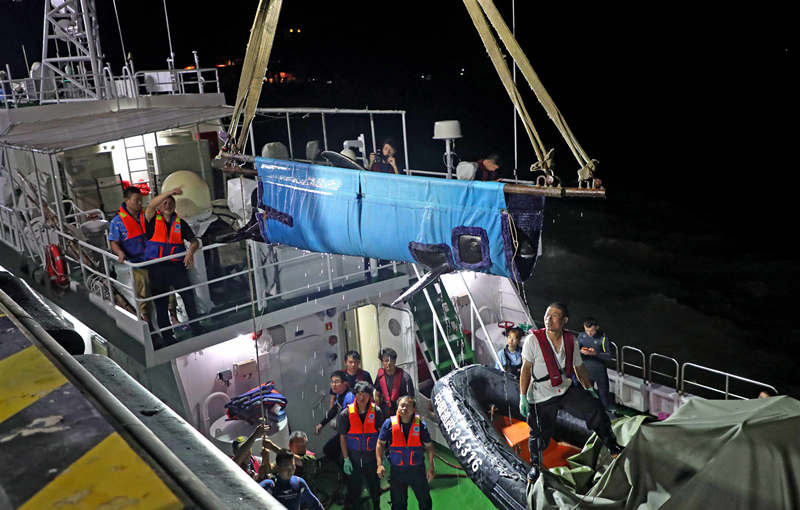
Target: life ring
56	268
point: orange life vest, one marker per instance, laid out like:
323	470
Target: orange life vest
165	243
406	451
133	245
361	437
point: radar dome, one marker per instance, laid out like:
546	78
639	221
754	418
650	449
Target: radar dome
195	201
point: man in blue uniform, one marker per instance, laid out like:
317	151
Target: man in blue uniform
594	351
358	426
341	399
126	235
291	491
407	438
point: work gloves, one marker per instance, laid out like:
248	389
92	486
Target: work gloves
348	466
523	405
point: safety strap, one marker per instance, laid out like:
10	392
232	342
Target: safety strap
254	67
587	164
496	56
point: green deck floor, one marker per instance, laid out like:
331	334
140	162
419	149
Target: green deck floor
446	492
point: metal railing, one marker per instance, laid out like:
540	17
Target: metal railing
323	113
727	376
176	81
624	363
63	89
651	371
109	260
10	229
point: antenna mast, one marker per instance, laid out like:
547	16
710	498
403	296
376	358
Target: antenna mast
71	54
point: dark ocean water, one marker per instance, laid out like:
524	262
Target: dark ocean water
666	289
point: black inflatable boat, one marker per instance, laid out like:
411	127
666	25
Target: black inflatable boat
462	401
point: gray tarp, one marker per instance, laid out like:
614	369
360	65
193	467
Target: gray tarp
711	454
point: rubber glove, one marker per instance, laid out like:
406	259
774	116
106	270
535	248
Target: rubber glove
348	466
523	405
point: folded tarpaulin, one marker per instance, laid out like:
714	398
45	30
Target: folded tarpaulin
247	406
710	454
387	216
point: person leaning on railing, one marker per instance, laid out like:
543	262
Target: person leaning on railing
126	237
166	234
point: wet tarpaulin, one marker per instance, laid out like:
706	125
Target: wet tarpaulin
711	454
386	216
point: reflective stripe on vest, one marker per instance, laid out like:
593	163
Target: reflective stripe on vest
361	436
553	370
406	451
134	244
163	243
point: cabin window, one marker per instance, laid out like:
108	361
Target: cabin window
471	248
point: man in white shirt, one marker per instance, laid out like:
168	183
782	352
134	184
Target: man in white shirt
550	356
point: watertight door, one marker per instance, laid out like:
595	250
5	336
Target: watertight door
305	385
395	330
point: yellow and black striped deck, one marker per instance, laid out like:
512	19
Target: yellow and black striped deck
57	448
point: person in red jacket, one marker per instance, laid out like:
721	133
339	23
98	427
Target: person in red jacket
488	168
392	382
549	358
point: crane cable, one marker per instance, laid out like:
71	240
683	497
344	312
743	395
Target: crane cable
259	47
496	56
480	10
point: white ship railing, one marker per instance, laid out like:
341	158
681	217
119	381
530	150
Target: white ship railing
17	92
109	260
725	392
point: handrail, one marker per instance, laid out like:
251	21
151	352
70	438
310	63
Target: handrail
616	355
650	370
487	339
436	320
728	377
641	353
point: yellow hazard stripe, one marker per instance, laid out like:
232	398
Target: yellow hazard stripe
110	475
27	376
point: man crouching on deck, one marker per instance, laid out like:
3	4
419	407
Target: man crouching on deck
549	358
406	434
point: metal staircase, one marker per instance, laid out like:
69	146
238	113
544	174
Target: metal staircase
438	331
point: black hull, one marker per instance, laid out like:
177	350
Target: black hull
60	329
461	400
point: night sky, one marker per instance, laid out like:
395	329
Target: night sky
688	107
663	98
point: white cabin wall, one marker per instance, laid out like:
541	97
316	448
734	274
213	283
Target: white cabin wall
198	371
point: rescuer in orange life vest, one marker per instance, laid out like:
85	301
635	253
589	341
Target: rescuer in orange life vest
166	234
409	442
126	238
358	426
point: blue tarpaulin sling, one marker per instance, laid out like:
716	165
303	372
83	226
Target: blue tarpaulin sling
394	217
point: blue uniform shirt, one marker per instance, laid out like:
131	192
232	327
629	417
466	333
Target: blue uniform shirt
294	493
116	230
515	357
